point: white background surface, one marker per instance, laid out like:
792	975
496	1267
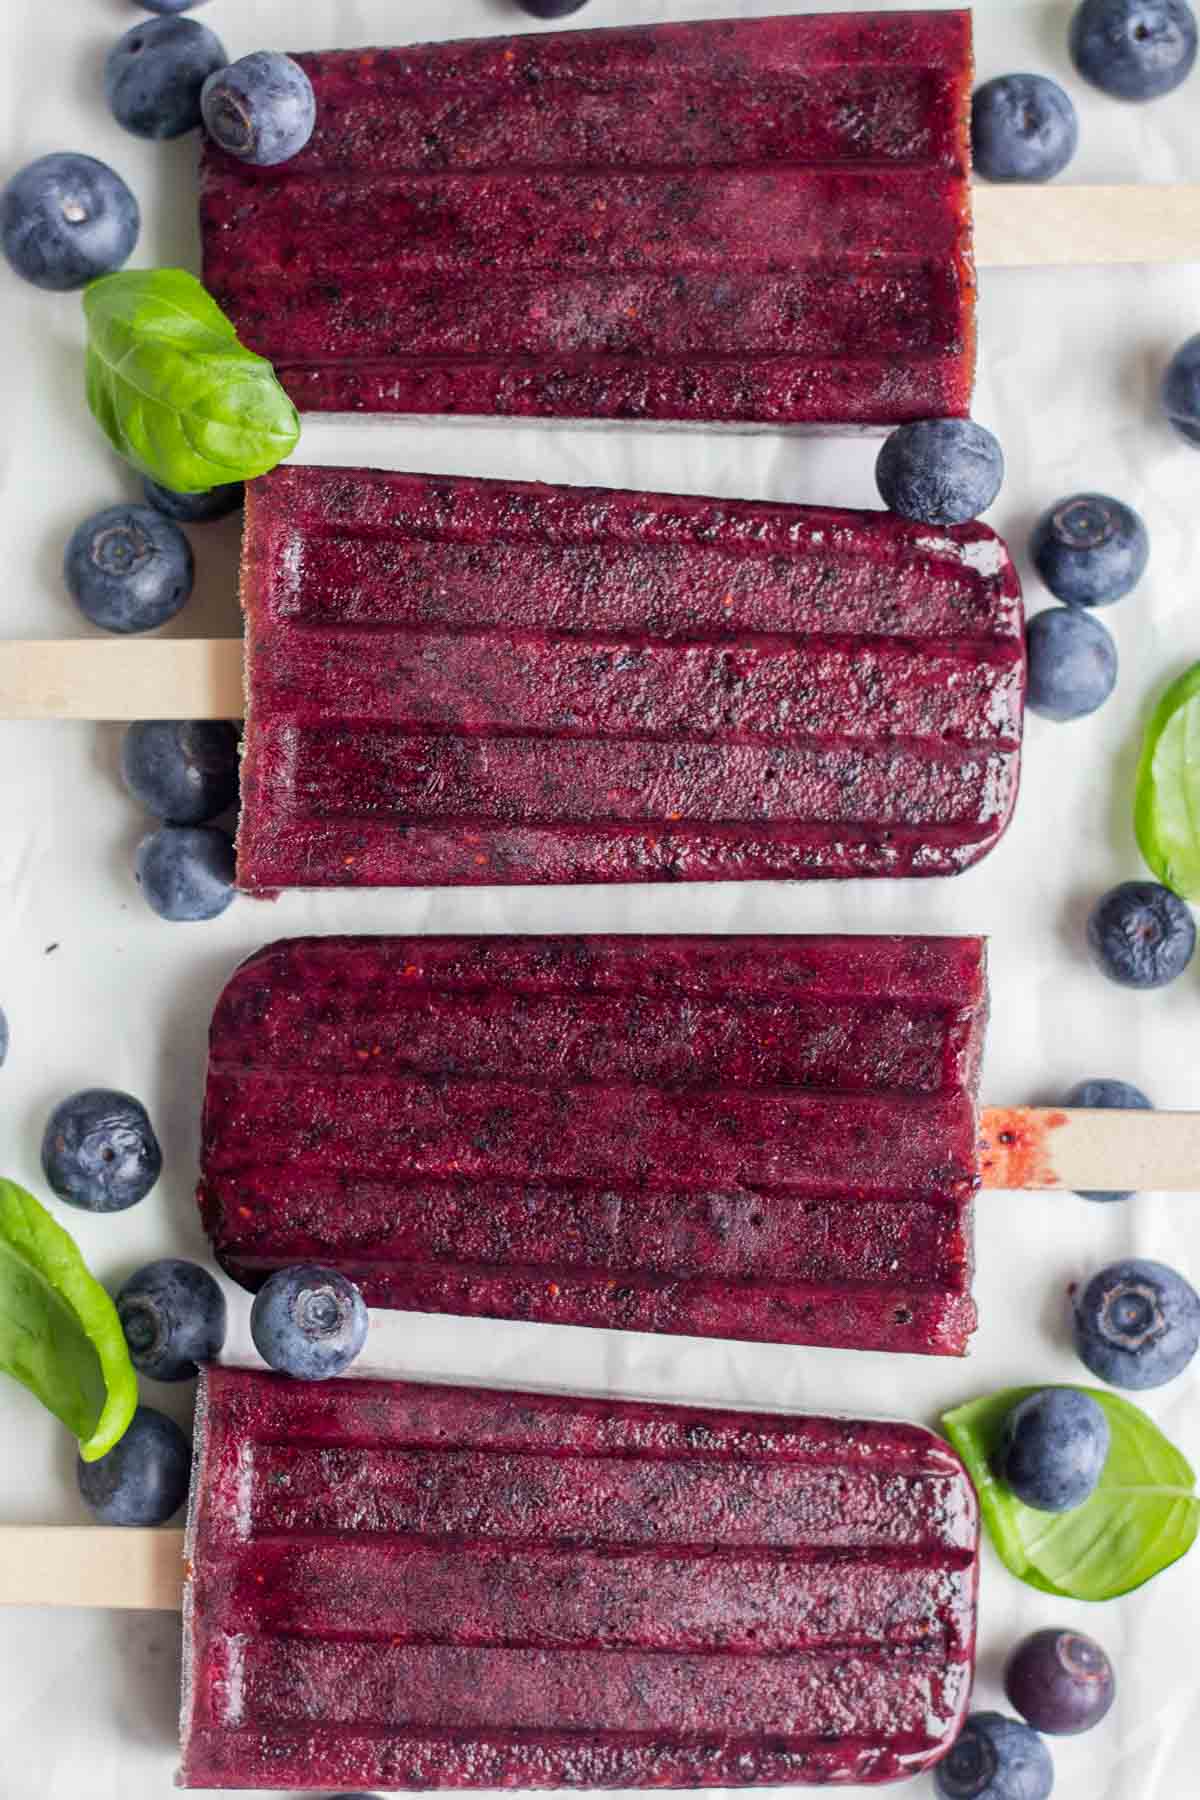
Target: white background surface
98	991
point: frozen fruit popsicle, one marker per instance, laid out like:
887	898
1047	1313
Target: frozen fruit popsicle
748	1137
458	681
397	1586
760	221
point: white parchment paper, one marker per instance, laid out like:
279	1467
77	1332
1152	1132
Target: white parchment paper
98	991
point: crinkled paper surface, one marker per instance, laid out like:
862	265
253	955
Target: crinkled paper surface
99	991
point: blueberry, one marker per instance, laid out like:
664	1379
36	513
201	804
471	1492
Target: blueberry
128	568
308	1322
940	471
1141	934
154	75
1181	390
195	509
1072	664
3	1037
1089	549
1060	1681
1100	1092
1137	1324
182	770
1053	1449
143	1480
550	9
1023	128
261	109
173	1315
994	1758
168	6
1134	49
99	1151
65	219
187	872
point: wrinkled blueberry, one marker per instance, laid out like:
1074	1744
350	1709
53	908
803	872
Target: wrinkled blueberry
1134	49
308	1322
1141	934
155	73
261	109
186	872
182	770
1053	1449
1101	1092
994	1758
939	471
128	568
143	1480
1090	550
1181	390
66	219
173	1315
1137	1324
99	1151
550	9
195	509
1023	128
1072	664
1060	1681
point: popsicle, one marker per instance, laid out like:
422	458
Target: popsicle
768	1138
402	1587
756	221
458	681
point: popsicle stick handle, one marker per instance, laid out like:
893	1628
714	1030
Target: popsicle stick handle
1054	1147
122	678
91	1565
1060	226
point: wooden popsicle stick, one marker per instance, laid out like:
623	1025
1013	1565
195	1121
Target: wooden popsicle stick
91	1565
122	678
1060	226
1031	1148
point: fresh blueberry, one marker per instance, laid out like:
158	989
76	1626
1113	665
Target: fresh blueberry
1072	663
143	1480
308	1322
99	1151
550	9
182	770
173	1315
1141	934
168	6
195	509
1023	128
1134	49
1137	1324
3	1037
155	73
1090	550
939	471
1060	1681
65	219
128	568
1053	1449
261	109
187	872
1181	390
1101	1092
994	1758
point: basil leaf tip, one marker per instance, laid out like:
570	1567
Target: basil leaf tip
1142	1517
1166	812
174	391
59	1331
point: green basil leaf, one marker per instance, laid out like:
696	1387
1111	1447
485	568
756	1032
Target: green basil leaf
59	1331
1166	811
1142	1517
173	390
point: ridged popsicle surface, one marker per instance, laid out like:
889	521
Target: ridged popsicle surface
399	1586
754	221
767	1138
465	682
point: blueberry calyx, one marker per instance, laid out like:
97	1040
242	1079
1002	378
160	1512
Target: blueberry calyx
1130	1315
